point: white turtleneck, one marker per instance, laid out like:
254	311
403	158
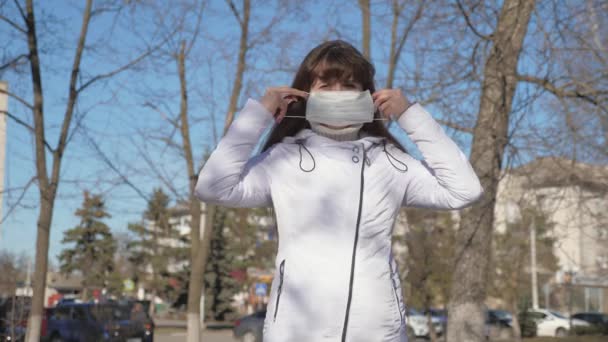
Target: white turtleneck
342	134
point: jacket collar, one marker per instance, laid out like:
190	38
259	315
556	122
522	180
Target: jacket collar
310	138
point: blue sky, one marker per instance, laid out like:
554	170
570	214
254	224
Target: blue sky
126	130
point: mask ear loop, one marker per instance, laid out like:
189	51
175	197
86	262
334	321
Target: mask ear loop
302	117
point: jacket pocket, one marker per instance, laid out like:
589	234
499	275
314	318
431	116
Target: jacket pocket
396	292
280	289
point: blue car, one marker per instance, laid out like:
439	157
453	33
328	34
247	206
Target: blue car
84	322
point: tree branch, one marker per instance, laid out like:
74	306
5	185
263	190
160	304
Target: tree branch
112	166
586	95
26	125
235	12
21	196
19	99
470	24
12	62
455	126
13	24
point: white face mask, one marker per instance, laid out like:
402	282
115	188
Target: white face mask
340	108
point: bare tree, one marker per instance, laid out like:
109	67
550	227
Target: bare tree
466	318
48	183
398	41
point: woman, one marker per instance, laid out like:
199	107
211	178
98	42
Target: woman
336	179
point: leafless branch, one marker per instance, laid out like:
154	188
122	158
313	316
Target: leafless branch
21	196
235	12
455	126
26	125
589	96
18	98
467	18
13	24
13	62
111	165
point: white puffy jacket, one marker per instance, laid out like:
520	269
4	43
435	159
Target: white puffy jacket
335	204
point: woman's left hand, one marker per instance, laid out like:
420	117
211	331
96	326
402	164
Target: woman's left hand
391	102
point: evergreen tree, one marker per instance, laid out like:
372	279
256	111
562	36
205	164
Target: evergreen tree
157	251
92	245
430	244
511	260
220	285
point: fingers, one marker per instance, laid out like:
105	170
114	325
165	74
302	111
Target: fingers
286	91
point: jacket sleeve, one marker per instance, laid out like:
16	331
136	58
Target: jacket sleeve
444	179
231	177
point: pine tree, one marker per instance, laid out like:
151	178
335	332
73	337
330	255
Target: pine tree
92	245
220	285
157	248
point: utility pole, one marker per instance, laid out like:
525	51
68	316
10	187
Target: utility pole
3	115
533	264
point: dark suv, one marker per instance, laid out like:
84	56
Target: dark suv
84	322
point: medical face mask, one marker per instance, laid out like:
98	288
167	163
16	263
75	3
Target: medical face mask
340	108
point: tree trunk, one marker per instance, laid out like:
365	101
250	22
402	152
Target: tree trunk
199	252
48	189
364	5
466	311
196	249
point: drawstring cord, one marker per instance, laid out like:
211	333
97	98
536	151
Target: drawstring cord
314	163
392	159
389	156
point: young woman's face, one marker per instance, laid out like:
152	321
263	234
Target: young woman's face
320	85
337	85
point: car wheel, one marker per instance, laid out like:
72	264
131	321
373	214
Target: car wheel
249	337
56	338
411	336
560	332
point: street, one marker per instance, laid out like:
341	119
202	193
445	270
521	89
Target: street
178	335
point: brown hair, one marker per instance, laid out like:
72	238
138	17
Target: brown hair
331	61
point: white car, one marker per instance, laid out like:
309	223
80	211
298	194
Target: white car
552	323
417	323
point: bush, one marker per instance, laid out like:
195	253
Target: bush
527	325
590	330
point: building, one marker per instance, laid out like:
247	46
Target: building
574	197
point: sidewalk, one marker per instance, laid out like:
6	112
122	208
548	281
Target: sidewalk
179	323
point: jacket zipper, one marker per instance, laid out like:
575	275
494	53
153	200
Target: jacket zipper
282	272
395	291
352	265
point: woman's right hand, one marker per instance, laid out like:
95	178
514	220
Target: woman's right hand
276	100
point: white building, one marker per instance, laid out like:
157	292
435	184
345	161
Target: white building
574	197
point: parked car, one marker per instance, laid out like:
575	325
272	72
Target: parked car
85	322
249	328
552	323
597	319
417	324
439	314
498	324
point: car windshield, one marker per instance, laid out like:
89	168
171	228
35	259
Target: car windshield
110	312
414	312
558	315
437	312
502	314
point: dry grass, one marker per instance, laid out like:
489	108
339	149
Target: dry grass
568	339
